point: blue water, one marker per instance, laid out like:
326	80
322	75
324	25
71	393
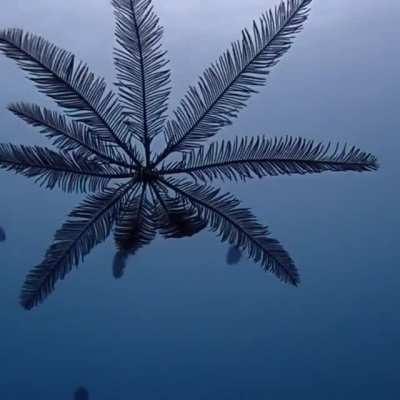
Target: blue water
183	324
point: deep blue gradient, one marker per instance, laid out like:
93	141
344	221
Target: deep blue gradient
182	324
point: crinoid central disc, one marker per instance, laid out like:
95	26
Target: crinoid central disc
148	174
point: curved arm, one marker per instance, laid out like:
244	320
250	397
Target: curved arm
65	134
89	225
239	227
247	158
72	86
228	84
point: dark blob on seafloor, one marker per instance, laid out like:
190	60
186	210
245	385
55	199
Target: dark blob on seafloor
81	394
2	235
234	256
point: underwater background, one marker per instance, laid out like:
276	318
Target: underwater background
182	323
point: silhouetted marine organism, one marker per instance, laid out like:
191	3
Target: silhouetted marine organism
2	234
105	142
233	256
119	264
81	394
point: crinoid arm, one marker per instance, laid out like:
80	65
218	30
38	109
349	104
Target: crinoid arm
175	218
257	157
88	225
238	227
70	84
70	135
135	224
227	85
141	65
51	169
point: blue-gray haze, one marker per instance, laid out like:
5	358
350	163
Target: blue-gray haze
182	324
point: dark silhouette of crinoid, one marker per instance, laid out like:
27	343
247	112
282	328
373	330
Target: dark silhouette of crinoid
233	256
81	394
2	234
119	264
104	143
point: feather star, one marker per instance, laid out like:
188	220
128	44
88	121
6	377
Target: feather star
103	143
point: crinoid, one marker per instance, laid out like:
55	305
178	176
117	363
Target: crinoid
2	234
81	394
104	142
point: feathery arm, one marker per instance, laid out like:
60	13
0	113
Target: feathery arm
141	68
68	135
135	226
227	85
89	225
71	85
51	169
174	218
247	158
237	226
